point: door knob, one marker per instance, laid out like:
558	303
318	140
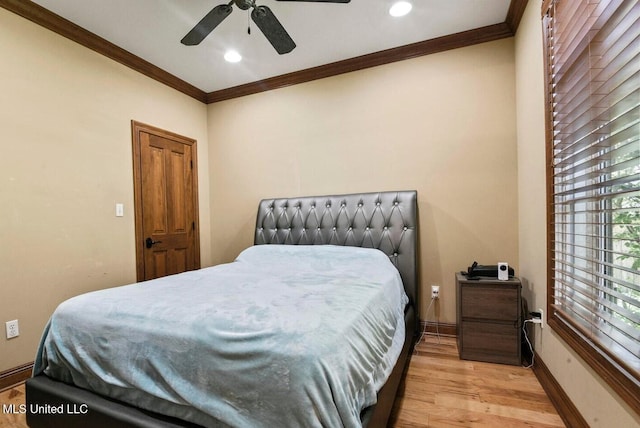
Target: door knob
149	242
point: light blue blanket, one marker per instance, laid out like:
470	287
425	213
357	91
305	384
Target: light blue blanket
285	336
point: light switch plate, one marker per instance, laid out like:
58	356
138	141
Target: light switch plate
119	210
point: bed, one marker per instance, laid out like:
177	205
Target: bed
319	343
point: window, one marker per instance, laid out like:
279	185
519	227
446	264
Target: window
592	53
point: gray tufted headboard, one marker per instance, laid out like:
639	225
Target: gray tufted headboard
384	220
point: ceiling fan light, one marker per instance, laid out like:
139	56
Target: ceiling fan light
232	56
400	8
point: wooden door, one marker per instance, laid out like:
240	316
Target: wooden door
167	239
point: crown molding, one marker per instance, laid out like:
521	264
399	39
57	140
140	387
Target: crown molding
440	44
47	19
514	15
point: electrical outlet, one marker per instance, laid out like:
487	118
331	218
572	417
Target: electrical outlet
435	292
541	317
12	329
537	317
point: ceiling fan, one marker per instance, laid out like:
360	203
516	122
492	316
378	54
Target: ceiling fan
261	15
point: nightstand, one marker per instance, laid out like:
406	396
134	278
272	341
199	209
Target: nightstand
488	317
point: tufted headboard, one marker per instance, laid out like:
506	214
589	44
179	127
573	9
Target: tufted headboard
383	220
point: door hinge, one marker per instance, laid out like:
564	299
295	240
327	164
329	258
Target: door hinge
193	225
191	164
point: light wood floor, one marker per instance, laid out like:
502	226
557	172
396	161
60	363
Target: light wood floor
8	397
440	390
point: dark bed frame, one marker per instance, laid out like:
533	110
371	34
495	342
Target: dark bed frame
387	221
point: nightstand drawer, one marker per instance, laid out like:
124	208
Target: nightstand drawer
497	302
493	342
488	319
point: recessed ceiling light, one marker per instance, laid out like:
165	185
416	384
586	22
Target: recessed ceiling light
400	8
232	56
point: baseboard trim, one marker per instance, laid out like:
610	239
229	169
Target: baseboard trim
443	328
565	407
14	376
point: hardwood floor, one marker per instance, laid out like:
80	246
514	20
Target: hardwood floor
440	390
9	419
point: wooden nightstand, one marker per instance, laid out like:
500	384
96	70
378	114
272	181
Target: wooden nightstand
488	318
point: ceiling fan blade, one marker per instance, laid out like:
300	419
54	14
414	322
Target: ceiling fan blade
272	29
321	1
207	25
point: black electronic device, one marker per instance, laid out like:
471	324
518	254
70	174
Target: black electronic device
491	271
